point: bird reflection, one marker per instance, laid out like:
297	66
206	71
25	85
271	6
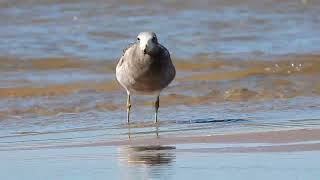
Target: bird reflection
155	126
147	154
147	162
150	155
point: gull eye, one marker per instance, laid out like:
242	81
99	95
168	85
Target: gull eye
138	39
154	39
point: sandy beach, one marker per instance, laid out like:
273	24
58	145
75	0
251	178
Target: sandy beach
244	103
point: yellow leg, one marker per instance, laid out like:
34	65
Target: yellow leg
156	107
128	108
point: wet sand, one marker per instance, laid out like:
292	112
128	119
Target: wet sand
101	163
258	154
270	141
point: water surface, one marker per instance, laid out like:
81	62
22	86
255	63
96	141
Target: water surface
245	98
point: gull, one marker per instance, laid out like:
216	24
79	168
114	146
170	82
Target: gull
145	68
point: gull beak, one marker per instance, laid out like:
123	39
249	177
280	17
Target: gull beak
145	50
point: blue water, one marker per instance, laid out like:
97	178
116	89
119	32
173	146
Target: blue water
101	29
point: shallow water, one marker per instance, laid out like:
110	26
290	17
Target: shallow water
101	163
243	68
97	29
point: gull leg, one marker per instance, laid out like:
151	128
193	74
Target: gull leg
157	130
129	132
128	108
156	107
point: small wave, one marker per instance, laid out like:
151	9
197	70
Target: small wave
199	81
210	120
8	64
58	90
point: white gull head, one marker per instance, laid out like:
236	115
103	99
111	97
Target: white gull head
148	42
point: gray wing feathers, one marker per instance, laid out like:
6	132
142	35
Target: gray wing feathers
124	56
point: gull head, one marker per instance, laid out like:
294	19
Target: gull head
148	42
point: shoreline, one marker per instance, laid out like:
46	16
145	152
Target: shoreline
270	141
